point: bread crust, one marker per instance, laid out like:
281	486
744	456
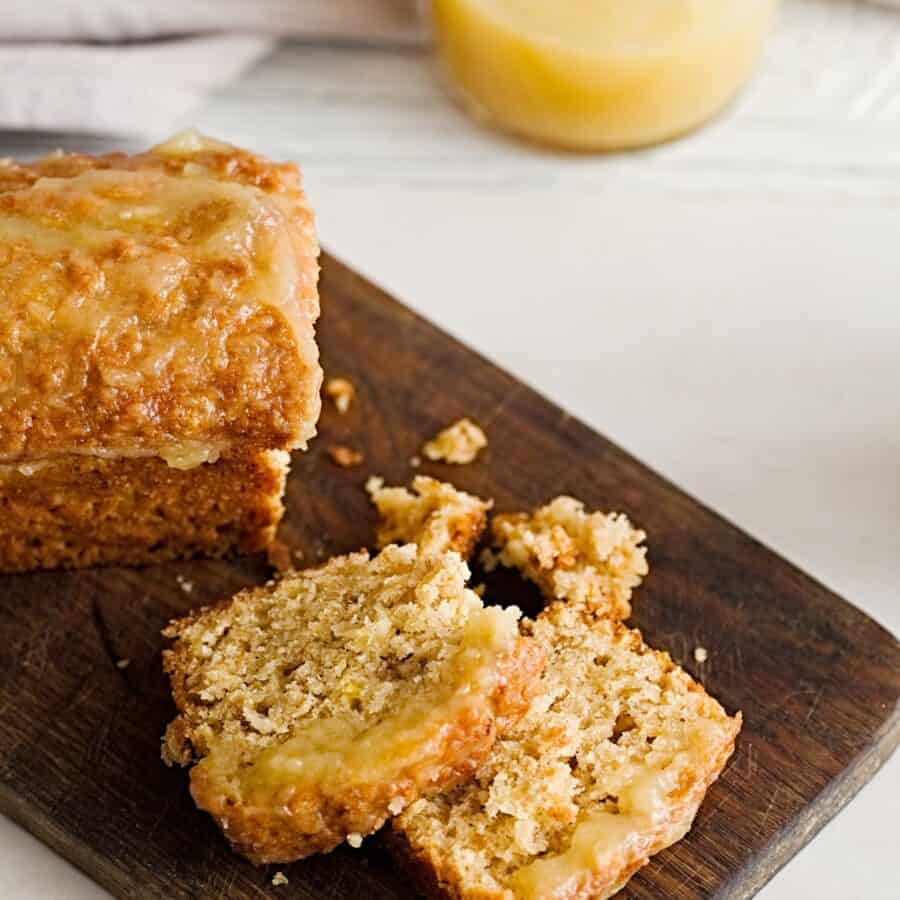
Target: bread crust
305	820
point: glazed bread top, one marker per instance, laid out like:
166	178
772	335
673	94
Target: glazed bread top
159	304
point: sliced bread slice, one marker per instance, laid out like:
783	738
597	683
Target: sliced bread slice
319	705
608	767
592	559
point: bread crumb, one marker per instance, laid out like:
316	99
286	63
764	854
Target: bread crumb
396	806
415	461
279	878
434	515
123	663
701	654
355	839
594	559
459	443
279	555
345	457
184	584
341	392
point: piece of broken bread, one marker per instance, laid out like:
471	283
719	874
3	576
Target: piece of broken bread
459	443
434	514
317	706
591	559
608	767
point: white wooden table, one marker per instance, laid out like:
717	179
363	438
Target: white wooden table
726	307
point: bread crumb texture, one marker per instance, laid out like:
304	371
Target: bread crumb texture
608	767
345	457
78	511
341	392
591	559
459	443
279	879
320	704
435	515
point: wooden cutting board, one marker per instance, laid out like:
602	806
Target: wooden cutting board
818	681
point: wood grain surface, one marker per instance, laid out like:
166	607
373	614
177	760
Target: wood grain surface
818	682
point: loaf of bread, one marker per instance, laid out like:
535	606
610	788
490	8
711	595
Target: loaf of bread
158	320
608	767
317	706
591	559
435	515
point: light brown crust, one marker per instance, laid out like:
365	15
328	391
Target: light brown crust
83	511
428	871
465	530
155	299
434	880
307	821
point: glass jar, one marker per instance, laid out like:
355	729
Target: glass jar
599	74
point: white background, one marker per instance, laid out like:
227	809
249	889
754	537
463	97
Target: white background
726	307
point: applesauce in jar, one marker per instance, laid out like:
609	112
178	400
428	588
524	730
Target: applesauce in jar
599	74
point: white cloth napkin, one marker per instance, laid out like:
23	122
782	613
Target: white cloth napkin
138	67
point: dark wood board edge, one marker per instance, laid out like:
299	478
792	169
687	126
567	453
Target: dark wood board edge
31	818
754	876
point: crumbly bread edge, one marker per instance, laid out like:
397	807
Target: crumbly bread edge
464	515
623	576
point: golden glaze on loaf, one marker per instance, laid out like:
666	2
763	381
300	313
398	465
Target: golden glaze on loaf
158	304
